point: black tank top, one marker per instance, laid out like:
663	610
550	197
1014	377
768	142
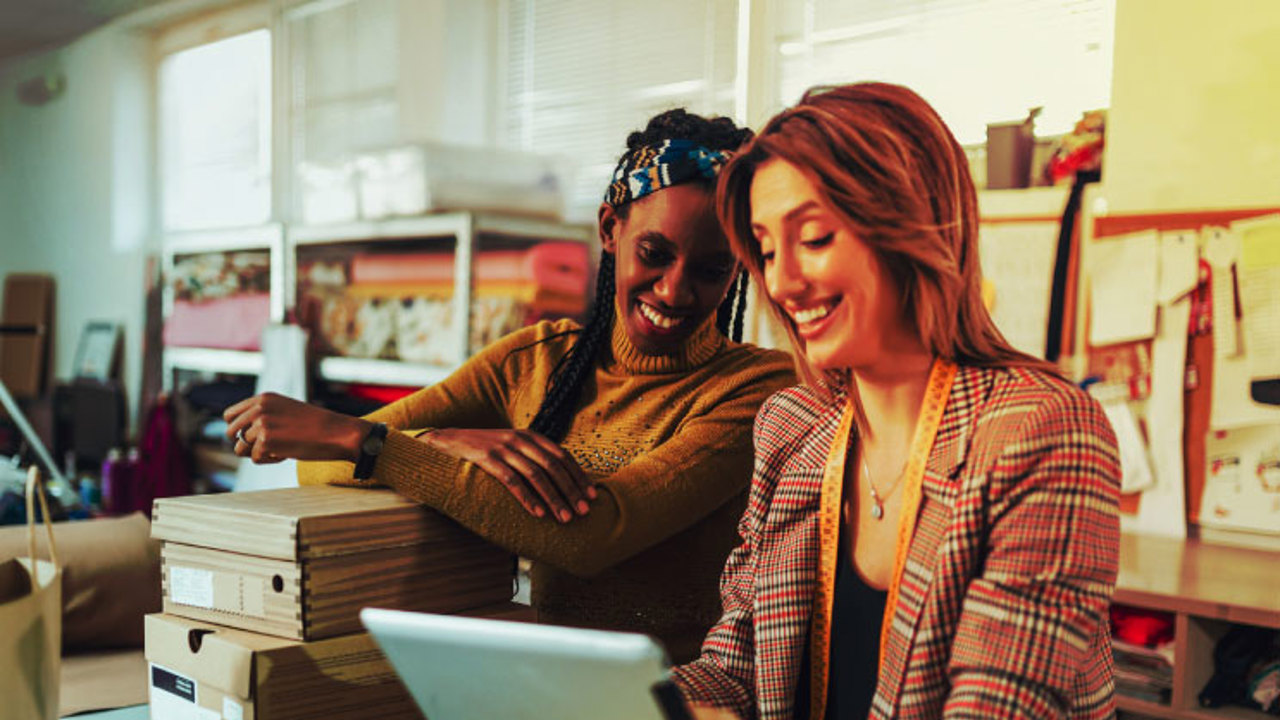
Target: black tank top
857	610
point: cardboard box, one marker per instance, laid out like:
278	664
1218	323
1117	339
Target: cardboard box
300	563
201	671
26	317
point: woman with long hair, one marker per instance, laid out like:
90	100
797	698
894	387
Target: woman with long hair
932	527
614	455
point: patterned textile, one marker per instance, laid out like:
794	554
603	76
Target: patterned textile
1003	611
651	168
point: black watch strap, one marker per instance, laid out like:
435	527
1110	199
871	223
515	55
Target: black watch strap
370	448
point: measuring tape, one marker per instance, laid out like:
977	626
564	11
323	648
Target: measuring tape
941	377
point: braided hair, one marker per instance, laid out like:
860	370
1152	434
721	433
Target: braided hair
564	387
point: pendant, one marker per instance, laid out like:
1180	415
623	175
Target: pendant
877	510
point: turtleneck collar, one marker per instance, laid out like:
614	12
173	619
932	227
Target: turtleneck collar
701	346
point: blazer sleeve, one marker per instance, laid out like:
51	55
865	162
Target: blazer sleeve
724	675
1050	567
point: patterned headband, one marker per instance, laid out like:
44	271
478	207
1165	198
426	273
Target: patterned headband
648	169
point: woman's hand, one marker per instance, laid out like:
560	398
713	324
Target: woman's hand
538	472
269	428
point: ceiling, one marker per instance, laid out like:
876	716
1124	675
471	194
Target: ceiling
31	25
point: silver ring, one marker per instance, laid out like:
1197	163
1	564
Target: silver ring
240	436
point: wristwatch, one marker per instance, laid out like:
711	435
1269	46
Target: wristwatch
370	448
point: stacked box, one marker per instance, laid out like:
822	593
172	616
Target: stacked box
263	590
300	563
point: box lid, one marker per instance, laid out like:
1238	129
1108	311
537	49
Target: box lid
300	523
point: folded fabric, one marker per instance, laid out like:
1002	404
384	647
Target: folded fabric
230	323
110	578
557	267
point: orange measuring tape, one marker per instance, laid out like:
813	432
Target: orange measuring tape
941	377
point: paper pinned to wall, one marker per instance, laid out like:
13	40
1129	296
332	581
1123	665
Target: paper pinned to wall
1017	258
1242	479
1124	274
1179	265
1232	405
1163	506
1135	467
1259	282
1221	250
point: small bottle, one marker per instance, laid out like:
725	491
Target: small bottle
114	486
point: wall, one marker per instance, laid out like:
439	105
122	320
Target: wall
1194	106
75	187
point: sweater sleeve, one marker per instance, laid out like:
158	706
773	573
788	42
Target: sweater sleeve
678	483
1050	568
724	675
477	395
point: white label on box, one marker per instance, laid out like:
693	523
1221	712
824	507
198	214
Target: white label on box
232	710
173	697
190	586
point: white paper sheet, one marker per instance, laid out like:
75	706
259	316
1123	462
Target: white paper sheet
1179	265
1163	506
1231	404
284	371
1135	466
1221	251
1123	280
1242	479
1017	258
1259	278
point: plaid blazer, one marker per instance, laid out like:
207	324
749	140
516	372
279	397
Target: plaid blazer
1003	607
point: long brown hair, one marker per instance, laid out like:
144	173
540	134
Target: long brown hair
887	166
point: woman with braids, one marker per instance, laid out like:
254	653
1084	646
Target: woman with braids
614	455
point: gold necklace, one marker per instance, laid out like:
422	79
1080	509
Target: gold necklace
877	502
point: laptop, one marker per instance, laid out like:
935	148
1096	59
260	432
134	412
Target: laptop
460	668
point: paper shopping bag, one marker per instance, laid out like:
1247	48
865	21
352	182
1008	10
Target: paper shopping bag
31	624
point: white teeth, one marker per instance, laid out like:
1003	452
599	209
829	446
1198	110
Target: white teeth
658	319
807	316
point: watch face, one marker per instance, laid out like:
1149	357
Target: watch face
372	445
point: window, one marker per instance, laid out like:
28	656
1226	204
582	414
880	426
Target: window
976	61
581	74
215	133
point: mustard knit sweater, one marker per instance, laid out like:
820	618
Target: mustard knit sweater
668	438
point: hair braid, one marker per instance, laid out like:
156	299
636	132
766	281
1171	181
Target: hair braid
564	387
729	316
740	307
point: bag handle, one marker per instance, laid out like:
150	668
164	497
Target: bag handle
34	485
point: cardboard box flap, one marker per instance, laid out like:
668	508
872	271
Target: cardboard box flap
212	655
298	523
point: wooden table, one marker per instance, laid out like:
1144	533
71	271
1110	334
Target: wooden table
1207	588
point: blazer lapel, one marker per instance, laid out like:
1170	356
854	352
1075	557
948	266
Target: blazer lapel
939	492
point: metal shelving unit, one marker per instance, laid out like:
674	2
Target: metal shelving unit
462	229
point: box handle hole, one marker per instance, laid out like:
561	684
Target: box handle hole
195	639
277	583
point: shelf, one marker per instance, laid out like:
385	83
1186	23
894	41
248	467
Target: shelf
1218	582
381	372
258	237
1161	710
237	362
439	225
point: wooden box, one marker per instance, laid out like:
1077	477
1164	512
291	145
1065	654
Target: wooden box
300	563
197	669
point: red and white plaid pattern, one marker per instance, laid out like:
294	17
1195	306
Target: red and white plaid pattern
1004	600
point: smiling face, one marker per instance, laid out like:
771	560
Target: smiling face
845	306
673	265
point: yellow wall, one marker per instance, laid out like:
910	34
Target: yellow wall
1195	109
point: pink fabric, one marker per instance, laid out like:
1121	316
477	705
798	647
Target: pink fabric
233	323
554	267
